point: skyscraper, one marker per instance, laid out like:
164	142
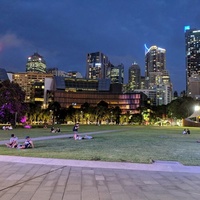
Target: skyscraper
156	76
134	77
155	61
115	73
192	45
36	63
97	64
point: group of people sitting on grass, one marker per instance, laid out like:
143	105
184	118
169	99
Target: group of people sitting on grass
28	143
13	143
186	131
55	130
5	128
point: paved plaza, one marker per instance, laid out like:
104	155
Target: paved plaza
23	178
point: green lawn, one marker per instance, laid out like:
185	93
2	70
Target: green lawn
139	144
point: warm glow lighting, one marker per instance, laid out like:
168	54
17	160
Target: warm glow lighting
196	108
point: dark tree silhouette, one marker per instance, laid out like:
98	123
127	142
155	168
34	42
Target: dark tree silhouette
12	106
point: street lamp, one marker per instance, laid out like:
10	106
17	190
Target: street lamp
197	108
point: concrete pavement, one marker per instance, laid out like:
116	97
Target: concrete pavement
23	178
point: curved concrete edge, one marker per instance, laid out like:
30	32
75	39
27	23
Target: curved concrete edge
163	167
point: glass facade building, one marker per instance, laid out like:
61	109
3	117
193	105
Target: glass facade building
134	77
192	47
97	64
36	63
128	103
155	61
32	84
115	73
156	76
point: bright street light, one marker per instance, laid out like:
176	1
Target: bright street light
196	108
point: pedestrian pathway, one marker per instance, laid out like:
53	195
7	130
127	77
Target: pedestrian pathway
23	178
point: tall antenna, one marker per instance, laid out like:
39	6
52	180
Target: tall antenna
146	49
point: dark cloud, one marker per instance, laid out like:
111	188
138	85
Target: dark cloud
65	31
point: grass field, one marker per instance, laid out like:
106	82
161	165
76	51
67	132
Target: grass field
138	144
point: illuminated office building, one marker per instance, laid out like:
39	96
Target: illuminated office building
34	85
192	45
156	76
77	91
155	61
142	82
97	64
134	77
36	63
74	74
115	73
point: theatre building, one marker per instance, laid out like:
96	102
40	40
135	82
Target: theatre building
76	92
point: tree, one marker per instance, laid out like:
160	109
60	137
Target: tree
116	113
63	114
100	111
159	111
136	118
55	108
12	106
71	113
181	108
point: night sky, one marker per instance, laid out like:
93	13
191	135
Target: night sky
64	31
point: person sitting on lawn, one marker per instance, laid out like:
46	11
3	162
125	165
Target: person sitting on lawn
77	137
27	144
53	130
187	131
184	132
58	130
13	142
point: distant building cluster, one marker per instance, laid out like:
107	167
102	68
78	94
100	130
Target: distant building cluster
105	81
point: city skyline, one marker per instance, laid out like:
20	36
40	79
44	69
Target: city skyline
64	32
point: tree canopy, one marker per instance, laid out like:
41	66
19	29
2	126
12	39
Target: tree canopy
181	108
12	106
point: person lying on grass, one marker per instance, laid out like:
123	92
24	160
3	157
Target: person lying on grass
27	144
78	137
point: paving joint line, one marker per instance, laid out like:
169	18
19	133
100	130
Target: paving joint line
19	183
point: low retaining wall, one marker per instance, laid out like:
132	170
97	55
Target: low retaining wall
190	123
